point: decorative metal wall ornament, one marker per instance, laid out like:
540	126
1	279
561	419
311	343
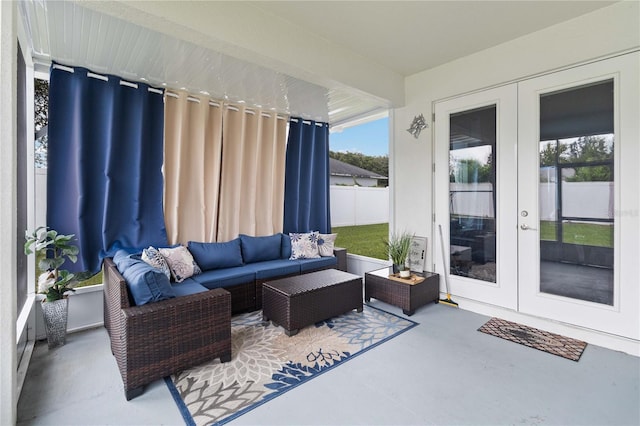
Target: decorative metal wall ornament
417	125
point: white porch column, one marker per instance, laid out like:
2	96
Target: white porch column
8	209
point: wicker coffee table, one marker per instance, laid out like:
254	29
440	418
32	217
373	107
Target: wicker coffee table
407	295
296	302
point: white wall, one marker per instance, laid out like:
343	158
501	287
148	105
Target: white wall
598	34
356	205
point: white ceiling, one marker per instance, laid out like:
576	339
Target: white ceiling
412	36
243	51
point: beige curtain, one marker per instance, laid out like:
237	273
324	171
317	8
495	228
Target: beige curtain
192	159
252	176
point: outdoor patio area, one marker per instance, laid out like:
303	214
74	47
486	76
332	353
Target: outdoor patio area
441	372
184	156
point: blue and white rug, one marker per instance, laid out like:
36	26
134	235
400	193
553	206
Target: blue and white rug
266	362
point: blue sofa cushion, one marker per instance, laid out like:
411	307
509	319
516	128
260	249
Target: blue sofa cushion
258	249
145	283
216	255
311	264
274	268
285	249
188	287
225	277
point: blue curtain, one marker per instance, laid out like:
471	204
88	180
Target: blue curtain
104	179
306	193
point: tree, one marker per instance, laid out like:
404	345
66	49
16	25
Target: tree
470	170
376	164
583	150
41	101
41	120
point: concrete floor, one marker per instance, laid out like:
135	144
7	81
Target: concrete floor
442	372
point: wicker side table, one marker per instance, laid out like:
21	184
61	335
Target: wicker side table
406	296
302	300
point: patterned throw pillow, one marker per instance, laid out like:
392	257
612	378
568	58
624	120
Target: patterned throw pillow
152	256
180	262
326	243
304	245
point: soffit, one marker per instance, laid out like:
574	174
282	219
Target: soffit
249	51
70	34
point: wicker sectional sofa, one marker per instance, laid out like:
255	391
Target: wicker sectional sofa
164	337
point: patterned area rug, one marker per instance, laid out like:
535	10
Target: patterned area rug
266	362
538	339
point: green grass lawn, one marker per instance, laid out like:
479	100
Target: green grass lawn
365	240
589	234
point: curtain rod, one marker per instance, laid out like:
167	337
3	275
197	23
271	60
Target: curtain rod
162	91
105	78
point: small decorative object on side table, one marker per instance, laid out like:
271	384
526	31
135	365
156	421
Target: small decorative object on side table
405	293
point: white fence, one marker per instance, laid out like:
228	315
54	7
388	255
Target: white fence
579	199
357	205
41	197
350	205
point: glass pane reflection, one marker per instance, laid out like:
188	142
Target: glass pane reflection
576	197
472	197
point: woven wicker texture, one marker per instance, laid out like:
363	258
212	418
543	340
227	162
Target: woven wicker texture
406	296
155	340
299	301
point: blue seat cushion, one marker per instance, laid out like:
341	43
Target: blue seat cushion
274	268
216	255
188	287
258	249
311	264
285	249
225	277
145	283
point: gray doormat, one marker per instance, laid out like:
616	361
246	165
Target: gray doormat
545	341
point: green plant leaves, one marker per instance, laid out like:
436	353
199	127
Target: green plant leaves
58	248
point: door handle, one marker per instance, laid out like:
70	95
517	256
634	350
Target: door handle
526	227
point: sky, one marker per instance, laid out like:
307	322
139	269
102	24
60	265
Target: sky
369	139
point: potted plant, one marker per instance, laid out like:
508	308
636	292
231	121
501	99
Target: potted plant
398	246
54	282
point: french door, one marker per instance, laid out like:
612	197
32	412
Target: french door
536	191
578	196
476	194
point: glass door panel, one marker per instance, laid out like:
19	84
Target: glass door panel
472	196
577	193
